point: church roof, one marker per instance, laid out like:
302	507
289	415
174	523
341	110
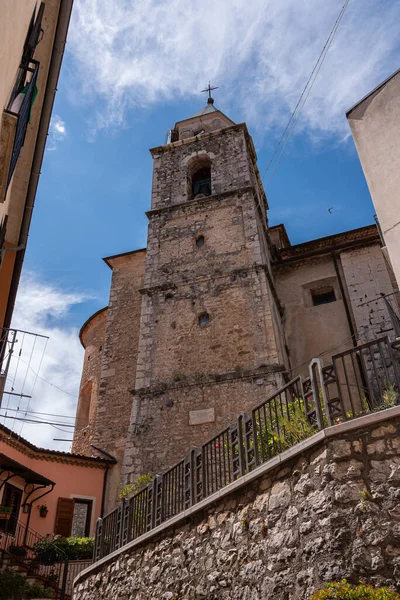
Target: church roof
209	108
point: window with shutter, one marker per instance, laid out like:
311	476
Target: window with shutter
64	517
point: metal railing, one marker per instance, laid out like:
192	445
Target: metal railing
48	565
27	88
359	381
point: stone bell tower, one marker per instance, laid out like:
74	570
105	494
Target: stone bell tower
210	340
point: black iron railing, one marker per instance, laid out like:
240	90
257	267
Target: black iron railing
359	381
27	88
47	564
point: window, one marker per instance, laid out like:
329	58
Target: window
200	241
204	319
323	296
12	497
199	177
34	36
81	518
201	182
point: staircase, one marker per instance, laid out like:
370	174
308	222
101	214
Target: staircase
18	551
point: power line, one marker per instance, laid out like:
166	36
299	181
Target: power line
36	378
34	412
49	382
304	96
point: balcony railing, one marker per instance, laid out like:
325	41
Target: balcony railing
360	381
20	106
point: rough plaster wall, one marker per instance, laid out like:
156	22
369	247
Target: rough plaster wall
331	513
375	125
311	330
94	342
367	277
119	363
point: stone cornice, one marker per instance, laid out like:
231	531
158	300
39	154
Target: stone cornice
209	379
202	136
341	241
238	271
238	192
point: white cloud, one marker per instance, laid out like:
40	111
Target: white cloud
57	132
132	53
41	308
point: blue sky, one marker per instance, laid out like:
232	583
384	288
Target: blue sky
131	70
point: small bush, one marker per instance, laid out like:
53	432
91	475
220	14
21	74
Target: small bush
12	585
56	550
37	591
344	591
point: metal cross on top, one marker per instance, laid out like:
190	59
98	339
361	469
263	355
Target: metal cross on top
209	89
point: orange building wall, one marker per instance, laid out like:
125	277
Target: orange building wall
72	481
6	272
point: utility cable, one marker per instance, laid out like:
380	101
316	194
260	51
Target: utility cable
36	378
304	96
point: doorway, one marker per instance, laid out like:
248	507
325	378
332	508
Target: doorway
12	496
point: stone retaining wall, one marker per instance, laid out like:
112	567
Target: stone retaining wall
329	511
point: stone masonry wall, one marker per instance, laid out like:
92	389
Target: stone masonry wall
119	362
230	171
331	511
92	336
367	277
227	278
169	421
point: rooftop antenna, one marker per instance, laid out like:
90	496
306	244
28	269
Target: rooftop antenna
209	89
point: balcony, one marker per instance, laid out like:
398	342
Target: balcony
15	122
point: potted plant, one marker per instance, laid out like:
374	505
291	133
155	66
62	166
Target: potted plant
43	510
5	512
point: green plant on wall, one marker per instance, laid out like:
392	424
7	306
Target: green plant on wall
286	426
345	591
134	488
51	551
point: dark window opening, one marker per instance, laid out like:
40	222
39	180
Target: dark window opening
12	497
323	297
200	241
201	182
204	319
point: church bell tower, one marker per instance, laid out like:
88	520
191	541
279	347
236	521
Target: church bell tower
210	342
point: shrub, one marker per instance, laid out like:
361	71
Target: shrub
12	585
37	591
58	549
133	488
344	591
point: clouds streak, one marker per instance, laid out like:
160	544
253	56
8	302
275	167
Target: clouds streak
43	308
140	52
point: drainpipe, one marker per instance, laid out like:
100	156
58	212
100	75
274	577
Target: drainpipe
103	495
352	330
344	298
60	39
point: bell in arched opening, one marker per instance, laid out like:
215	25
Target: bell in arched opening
201	182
